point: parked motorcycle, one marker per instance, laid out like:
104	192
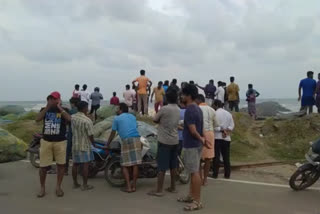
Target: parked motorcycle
100	161
98	164
307	174
33	150
148	168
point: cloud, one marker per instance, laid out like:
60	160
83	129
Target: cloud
106	43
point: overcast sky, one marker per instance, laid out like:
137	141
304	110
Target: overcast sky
52	45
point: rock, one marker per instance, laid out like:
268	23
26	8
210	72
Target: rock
268	109
11	109
11	147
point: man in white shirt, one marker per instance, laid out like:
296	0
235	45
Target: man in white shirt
84	94
220	92
129	96
225	126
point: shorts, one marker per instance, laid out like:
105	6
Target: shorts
131	151
192	158
82	156
50	151
94	108
167	157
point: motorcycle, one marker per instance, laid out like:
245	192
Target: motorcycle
307	174
33	150
100	161
148	168
97	165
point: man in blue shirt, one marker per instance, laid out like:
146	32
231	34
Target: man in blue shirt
126	126
308	85
193	141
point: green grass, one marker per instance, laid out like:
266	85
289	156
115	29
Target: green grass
24	129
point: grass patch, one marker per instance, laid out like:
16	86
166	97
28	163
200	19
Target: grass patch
24	129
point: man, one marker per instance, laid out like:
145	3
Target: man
143	82
168	142
225	126
76	92
84	94
82	138
96	98
174	86
209	91
53	144
251	99
125	125
192	146
209	123
159	92
233	95
129	96
220	93
308	85
114	100
318	94
73	103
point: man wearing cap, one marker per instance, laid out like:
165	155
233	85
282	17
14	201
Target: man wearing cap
53	145
308	85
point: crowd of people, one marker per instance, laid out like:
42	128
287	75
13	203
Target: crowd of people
199	126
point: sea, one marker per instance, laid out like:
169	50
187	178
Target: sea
292	104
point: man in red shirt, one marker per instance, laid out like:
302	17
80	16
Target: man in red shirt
114	100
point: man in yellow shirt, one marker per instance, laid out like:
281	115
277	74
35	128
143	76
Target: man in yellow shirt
233	95
159	92
142	91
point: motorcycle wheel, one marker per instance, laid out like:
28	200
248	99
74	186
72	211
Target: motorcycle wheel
113	173
304	177
34	160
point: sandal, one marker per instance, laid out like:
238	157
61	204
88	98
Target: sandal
154	193
169	189
87	187
195	205
187	199
59	193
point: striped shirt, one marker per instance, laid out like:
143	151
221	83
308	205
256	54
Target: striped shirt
82	128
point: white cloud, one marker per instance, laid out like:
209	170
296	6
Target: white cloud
106	43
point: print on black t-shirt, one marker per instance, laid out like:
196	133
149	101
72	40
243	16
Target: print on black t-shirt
54	126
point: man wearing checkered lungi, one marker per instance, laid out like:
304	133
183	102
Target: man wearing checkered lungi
125	125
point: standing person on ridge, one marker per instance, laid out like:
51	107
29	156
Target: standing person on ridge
76	91
114	100
251	99
233	95
143	84
210	92
96	98
129	97
85	94
159	92
308	86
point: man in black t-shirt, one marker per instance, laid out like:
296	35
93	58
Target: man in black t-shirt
53	145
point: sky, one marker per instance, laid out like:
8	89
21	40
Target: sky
50	46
